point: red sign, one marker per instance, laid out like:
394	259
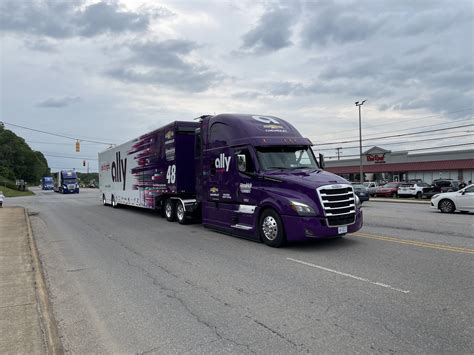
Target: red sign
376	158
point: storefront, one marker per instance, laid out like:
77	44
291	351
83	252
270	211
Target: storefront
384	165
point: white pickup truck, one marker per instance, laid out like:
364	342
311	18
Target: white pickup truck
371	187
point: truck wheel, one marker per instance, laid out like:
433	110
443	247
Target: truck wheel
180	213
446	206
170	212
113	202
271	229
104	201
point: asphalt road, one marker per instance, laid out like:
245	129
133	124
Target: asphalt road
126	280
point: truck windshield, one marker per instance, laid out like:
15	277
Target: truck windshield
287	157
48	179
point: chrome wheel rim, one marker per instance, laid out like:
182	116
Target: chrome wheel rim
270	228
168	210
103	200
446	206
180	212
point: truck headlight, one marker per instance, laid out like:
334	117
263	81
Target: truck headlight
301	208
357	201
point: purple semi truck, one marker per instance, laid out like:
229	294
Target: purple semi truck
251	176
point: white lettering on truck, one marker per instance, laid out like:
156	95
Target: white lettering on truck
223	162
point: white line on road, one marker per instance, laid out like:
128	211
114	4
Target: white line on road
348	275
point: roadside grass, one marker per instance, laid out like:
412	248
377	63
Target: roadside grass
14	193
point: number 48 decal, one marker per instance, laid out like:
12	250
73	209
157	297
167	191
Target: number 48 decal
171	174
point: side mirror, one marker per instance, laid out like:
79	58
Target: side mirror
242	163
322	164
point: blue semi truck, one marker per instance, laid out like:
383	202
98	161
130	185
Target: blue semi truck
248	175
65	182
47	183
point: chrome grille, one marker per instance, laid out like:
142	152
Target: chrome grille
338	203
71	186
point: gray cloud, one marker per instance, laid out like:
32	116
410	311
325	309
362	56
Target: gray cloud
165	63
331	22
107	17
40	44
273	30
58	102
64	18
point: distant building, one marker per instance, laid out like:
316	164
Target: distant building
384	165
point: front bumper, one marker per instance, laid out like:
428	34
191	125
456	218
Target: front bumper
298	228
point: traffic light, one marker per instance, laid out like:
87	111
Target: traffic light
78	146
83	163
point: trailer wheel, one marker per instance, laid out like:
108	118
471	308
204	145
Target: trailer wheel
271	229
104	201
113	202
170	210
180	213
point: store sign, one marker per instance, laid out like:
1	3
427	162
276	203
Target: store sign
376	158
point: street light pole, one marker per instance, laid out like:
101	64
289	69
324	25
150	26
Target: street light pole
361	173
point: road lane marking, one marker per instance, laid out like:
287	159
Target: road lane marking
416	243
349	275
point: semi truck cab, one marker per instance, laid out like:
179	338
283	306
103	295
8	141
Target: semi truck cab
47	183
261	180
65	181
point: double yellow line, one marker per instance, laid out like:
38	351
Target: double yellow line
415	243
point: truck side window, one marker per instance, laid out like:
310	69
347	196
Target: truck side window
218	135
248	159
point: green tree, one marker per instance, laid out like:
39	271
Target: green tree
18	160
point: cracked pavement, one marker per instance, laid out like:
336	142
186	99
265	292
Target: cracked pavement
125	280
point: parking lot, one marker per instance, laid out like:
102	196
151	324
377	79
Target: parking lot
126	280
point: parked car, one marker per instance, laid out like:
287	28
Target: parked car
412	189
388	190
440	186
448	202
361	191
371	186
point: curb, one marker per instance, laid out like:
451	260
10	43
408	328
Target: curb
400	200
48	323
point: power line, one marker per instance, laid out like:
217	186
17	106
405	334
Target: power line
65	157
411	119
56	134
394	143
414	150
58	143
417	127
399	135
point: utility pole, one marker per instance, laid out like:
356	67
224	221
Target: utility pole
359	104
338	155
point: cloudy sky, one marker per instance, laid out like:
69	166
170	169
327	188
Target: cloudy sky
112	70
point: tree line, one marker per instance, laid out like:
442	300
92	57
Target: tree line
18	160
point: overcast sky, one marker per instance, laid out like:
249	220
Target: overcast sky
112	70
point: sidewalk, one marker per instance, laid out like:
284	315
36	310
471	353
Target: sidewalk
25	323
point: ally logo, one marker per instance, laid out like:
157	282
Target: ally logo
222	163
266	119
119	169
